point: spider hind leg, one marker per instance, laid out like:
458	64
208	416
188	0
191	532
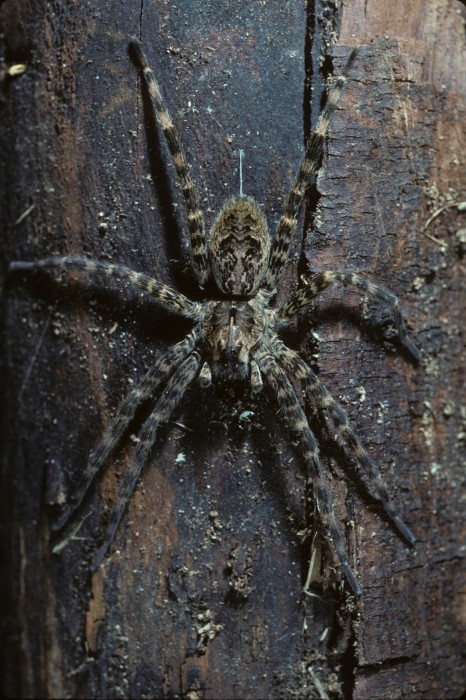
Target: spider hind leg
304	179
182	167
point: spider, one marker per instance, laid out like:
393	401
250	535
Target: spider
236	336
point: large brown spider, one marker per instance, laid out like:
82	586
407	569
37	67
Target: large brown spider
238	336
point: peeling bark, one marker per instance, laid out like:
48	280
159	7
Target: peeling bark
202	593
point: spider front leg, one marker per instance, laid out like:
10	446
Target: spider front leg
293	415
322	280
142	392
345	435
180	161
165	295
162	412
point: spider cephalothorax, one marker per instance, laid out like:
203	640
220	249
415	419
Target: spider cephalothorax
236	336
232	330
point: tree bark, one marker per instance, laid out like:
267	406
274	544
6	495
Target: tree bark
201	595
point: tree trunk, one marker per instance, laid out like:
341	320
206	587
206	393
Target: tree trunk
201	595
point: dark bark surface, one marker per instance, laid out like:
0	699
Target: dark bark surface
201	595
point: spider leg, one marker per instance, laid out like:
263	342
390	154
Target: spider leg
306	176
180	161
319	282
345	435
136	397
165	295
163	409
293	415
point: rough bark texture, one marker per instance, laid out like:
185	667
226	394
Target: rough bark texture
202	593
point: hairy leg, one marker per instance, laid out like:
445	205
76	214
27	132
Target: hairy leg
322	280
306	176
163	410
164	407
180	161
293	415
143	391
166	296
345	435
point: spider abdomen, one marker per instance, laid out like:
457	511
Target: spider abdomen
239	247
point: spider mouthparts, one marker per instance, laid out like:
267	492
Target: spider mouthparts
233	332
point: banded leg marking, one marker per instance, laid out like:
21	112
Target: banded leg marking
180	161
294	417
345	435
322	280
165	295
136	397
306	176
163	410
